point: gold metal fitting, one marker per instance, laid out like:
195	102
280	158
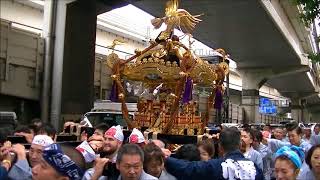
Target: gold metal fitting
173	95
182	73
137	52
121	96
114	77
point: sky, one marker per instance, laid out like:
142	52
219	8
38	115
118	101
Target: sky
140	21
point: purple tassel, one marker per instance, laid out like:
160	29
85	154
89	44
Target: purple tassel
218	100
114	93
187	95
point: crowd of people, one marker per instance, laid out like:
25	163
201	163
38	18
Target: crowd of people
289	152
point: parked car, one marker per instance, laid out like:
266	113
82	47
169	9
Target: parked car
8	120
110	113
109	117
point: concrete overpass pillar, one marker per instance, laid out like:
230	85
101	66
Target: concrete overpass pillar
79	59
296	109
315	117
252	80
250	105
306	115
74	57
72	92
301	110
314	111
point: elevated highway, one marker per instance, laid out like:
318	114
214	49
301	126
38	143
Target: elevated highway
267	41
264	37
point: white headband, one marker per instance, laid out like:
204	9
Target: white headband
115	132
136	136
42	140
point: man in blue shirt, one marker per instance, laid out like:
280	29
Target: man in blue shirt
233	165
295	138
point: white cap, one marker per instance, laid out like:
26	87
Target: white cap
115	132
42	140
136	137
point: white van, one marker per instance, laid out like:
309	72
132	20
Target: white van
8	119
107	105
110	113
111	118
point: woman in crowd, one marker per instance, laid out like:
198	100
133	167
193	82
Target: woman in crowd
206	148
312	170
154	162
288	162
279	133
295	138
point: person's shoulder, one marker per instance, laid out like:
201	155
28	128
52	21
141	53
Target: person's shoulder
263	149
262	146
214	161
315	136
305	173
89	171
277	141
305	145
146	176
235	155
255	151
304	142
166	176
315	140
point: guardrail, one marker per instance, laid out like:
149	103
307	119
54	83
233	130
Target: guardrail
271	119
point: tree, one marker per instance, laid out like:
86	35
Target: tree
310	11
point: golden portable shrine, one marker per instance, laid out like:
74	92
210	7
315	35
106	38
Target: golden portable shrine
171	69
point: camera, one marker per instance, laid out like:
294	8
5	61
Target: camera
17	139
110	170
88	130
70	130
